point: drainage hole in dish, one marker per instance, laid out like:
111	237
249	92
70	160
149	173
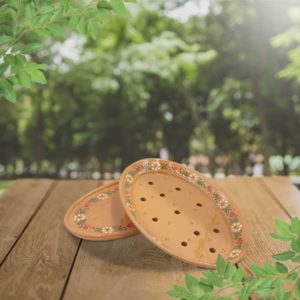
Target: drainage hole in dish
216	230
199	204
150	183
184	244
196	232
162	195
177	212
178	189
212	250
143	199
154	219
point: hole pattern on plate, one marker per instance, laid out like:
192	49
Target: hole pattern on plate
196	179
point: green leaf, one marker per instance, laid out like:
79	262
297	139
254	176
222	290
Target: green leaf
103	4
131	1
178	292
284	255
238	275
295	226
292	276
284	228
3	67
280	237
230	270
264	291
30	48
119	7
92	29
271	270
193	286
24	79
6	89
5	39
21	59
296	259
73	22
205	287
82	25
297	290
221	265
296	245
281	268
258	271
36	76
280	292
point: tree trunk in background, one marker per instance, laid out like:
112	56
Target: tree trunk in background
261	109
39	140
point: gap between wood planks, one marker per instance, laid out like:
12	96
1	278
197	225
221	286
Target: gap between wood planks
41	203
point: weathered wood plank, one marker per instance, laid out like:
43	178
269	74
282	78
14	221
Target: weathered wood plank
17	206
38	265
260	210
285	192
127	269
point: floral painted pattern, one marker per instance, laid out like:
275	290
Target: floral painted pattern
195	178
80	215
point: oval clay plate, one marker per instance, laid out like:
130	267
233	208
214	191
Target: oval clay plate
182	212
99	215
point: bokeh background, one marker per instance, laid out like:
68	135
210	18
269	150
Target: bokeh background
211	83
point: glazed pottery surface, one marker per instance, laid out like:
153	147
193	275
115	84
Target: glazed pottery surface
99	215
182	212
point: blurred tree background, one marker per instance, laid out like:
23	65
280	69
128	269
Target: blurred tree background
216	82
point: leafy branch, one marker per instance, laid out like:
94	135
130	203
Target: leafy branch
268	281
24	25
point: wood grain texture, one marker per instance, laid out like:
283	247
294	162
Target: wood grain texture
260	210
38	265
17	206
285	192
132	268
127	269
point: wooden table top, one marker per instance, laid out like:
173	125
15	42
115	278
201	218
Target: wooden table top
39	259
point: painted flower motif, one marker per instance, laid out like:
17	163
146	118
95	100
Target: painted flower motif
174	169
102	196
209	188
222	203
155	165
86	205
192	178
130	225
232	215
236	227
129	178
235	252
107	229
139	168
79	217
86	226
145	165
239	241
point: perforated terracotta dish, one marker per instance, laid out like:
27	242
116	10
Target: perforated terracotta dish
99	215
182	212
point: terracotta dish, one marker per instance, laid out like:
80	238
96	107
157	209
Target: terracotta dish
99	215
182	212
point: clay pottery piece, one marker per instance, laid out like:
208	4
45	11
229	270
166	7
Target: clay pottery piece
99	215
182	212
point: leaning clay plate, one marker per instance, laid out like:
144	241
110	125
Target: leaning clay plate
99	215
182	212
